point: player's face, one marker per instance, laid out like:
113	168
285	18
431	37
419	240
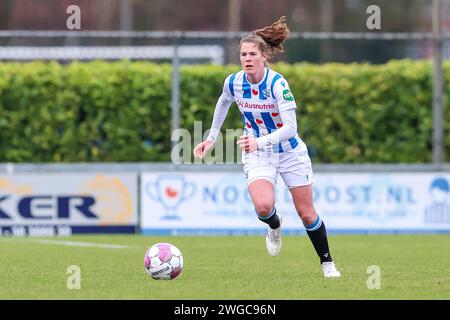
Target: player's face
252	59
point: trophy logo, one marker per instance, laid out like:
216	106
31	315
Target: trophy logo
170	191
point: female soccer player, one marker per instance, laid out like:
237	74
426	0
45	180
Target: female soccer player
270	143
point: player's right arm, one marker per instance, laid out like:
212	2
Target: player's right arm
220	113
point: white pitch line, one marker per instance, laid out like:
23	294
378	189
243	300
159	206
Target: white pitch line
81	244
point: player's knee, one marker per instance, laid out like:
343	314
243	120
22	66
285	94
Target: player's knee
264	209
307	214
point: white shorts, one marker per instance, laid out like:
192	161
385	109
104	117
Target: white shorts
294	166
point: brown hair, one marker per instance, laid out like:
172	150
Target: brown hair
269	39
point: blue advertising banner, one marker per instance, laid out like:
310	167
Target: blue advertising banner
218	203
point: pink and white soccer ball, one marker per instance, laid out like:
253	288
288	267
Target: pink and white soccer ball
163	261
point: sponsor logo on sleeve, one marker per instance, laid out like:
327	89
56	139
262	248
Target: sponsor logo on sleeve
287	95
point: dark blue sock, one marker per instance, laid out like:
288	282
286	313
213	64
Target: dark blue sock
318	235
272	219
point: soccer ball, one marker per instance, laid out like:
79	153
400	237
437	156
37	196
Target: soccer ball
163	261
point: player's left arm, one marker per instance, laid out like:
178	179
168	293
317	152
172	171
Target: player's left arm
287	107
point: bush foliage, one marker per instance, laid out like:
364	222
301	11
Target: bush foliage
121	111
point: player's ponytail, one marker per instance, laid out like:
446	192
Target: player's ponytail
270	38
275	34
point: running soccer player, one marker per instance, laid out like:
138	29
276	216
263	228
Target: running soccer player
270	143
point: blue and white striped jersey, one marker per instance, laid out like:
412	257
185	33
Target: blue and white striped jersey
260	104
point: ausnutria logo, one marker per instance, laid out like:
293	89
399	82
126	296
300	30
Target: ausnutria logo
247	105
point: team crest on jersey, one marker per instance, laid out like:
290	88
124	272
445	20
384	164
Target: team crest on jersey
266	93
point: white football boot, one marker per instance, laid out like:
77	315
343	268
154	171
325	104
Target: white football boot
273	239
329	270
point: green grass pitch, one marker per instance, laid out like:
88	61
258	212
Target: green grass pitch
411	267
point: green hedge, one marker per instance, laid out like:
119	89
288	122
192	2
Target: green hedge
120	111
365	113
